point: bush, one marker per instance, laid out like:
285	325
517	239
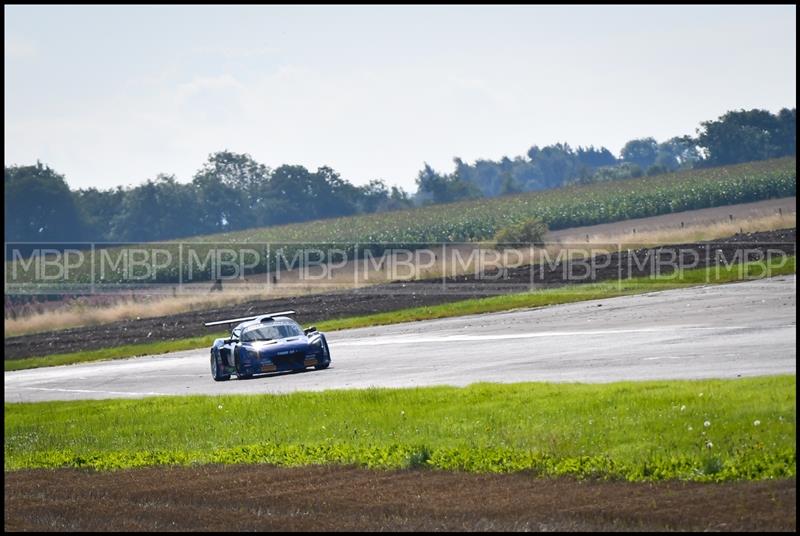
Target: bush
529	232
656	169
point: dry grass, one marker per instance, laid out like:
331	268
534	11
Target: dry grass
696	232
146	304
75	313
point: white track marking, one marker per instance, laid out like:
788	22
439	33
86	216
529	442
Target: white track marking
415	339
90	391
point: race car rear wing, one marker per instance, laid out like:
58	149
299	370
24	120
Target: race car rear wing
246	318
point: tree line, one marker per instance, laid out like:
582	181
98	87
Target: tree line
232	191
736	137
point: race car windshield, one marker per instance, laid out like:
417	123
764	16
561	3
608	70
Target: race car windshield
270	332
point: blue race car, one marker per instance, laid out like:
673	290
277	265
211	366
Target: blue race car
267	343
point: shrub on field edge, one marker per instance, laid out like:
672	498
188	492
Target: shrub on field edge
528	232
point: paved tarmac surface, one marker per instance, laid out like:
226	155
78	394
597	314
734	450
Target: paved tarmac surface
722	331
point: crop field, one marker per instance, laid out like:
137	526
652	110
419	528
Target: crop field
459	222
705	430
559	208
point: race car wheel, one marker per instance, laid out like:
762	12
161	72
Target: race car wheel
216	373
326	356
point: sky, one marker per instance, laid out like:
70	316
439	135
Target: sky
115	95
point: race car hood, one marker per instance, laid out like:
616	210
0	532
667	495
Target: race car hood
290	344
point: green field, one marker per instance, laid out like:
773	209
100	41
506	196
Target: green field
708	430
560	208
467	221
540	298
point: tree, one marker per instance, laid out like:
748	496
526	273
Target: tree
232	187
373	196
293	189
679	152
485	174
220	205
555	163
444	188
747	135
642	152
39	206
220	189
509	185
433	184
97	208
786	133
546	167
238	171
333	196
157	210
592	158
398	199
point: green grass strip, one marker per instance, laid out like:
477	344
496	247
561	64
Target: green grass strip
705	430
116	352
540	298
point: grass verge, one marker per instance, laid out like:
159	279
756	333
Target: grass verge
116	352
540	298
705	430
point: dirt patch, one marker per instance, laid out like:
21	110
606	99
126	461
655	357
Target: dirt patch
387	297
258	497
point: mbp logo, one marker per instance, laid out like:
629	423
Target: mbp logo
202	262
52	268
43	264
133	264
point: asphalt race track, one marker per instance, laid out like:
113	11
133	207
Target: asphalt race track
724	331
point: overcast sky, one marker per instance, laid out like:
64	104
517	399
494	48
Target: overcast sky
115	95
